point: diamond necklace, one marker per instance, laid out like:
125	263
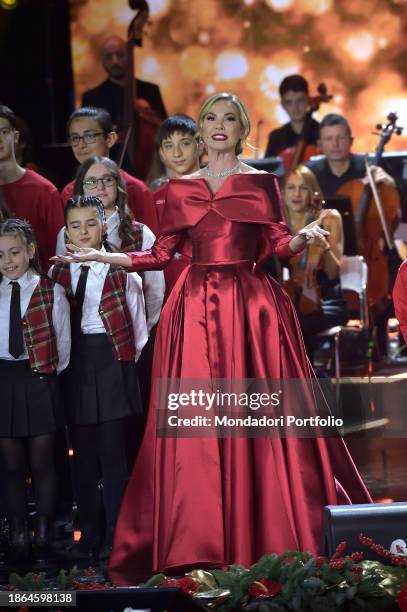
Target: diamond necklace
222	174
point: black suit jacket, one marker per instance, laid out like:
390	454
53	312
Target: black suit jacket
110	96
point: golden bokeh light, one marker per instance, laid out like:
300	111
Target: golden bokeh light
194	56
150	68
314	7
159	8
280	5
382	96
360	46
8	5
231	65
196	48
283	64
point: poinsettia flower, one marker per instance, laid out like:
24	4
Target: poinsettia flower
187	584
264	589
402	599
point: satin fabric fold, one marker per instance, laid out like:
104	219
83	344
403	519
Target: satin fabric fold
213	502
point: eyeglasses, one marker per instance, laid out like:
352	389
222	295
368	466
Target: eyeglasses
107	181
88	138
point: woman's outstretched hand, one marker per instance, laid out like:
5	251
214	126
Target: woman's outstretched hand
313	232
77	254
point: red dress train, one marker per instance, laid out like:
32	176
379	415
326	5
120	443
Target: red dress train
213	502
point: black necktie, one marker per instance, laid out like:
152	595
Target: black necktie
79	299
15	339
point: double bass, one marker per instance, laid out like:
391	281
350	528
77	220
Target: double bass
140	122
293	156
377	213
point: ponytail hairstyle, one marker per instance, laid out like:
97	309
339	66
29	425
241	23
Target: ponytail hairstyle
125	229
83	201
18	227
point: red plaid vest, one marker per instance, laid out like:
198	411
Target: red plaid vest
137	243
38	329
113	308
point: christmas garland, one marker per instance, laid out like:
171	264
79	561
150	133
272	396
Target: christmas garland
299	581
293	581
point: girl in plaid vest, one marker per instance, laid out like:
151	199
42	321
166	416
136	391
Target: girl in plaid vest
100	386
34	346
100	177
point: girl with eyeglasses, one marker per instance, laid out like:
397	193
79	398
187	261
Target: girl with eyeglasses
101	177
100	387
91	133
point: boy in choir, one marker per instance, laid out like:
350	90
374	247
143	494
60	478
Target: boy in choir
179	151
28	195
91	133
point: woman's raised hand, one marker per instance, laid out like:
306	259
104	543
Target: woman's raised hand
314	232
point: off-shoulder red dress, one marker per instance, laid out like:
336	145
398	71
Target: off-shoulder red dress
212	502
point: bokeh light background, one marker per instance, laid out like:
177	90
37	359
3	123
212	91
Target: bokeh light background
196	47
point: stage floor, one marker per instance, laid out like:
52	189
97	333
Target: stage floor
380	452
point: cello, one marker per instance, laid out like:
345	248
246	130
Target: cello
377	213
293	156
140	122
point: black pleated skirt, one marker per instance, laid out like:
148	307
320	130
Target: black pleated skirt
96	387
29	402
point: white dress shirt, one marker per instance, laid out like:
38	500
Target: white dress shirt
91	322
60	316
153	281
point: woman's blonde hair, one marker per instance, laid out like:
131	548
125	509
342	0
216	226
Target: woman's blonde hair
241	110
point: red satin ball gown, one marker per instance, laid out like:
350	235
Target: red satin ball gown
213	502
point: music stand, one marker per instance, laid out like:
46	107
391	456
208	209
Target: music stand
343	204
269	164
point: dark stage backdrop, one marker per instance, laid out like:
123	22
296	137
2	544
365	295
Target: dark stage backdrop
35	67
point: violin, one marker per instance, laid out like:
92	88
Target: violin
377	214
140	122
306	300
293	156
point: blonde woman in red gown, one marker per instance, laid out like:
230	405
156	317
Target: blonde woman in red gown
212	502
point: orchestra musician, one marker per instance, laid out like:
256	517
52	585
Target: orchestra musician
110	93
343	173
314	283
294	95
339	165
